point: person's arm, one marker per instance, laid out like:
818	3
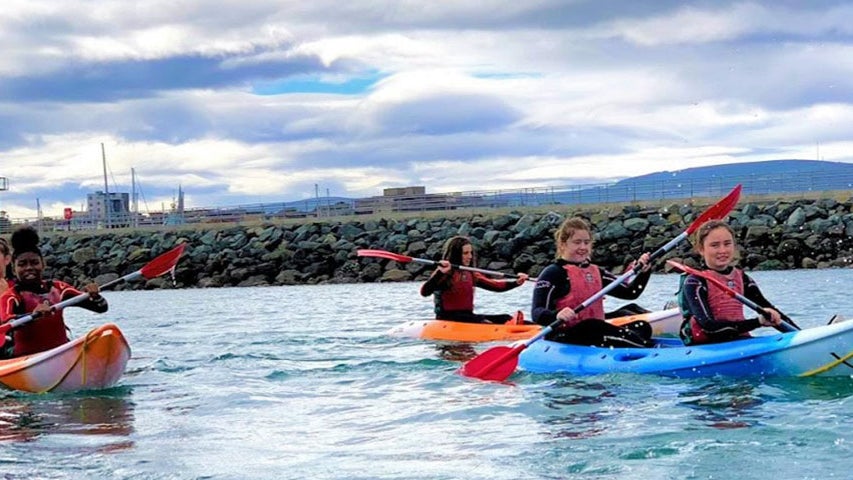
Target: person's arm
437	281
551	285
695	292
629	291
752	292
635	288
497	285
95	303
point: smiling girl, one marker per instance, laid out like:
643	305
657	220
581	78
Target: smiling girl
711	315
571	280
33	294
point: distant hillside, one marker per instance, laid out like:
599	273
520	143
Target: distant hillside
833	173
758	178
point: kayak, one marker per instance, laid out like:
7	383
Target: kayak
664	323
449	330
826	351
93	361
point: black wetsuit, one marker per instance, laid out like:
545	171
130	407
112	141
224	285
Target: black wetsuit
553	284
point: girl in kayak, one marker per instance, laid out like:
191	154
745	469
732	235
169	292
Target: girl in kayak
453	289
571	280
710	314
31	294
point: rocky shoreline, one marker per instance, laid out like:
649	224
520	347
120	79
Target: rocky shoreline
773	236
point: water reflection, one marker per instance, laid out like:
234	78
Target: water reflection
725	403
578	407
27	418
456	352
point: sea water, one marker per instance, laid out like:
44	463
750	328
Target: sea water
302	382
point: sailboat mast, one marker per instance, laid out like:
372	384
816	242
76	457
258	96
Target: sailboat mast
134	197
106	187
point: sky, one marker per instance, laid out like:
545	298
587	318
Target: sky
258	101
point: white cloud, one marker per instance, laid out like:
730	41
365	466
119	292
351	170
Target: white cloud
471	95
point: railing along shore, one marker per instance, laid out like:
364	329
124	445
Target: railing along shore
756	186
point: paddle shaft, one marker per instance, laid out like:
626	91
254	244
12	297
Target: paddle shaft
463	267
406	259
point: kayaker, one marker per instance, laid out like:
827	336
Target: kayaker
571	280
32	294
710	314
6	281
453	289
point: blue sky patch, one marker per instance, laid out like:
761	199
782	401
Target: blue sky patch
314	84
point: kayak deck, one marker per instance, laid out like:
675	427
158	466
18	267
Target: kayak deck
93	361
665	323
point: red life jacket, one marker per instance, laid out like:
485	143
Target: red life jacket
45	332
724	307
459	296
584	282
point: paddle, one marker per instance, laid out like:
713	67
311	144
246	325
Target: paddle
498	363
782	327
160	265
364	252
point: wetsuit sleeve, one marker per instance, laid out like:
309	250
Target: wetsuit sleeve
493	285
66	291
436	281
695	292
630	291
551	285
752	292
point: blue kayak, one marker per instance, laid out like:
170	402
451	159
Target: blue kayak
825	350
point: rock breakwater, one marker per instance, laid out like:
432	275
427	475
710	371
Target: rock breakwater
772	236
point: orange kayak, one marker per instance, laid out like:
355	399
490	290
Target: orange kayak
449	330
664	323
94	361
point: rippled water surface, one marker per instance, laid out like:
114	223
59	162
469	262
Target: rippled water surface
303	383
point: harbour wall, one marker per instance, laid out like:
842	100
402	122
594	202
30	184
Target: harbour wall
778	235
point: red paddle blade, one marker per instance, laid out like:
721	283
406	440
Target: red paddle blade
718	210
495	364
162	263
364	252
